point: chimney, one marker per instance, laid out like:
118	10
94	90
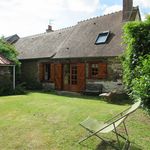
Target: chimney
127	9
49	29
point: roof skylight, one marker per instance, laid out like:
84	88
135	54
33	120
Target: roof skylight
102	37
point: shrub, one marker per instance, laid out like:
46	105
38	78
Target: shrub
136	60
141	83
5	85
20	89
32	84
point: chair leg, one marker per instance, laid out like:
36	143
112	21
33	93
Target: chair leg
126	140
82	140
117	136
85	138
107	142
126	131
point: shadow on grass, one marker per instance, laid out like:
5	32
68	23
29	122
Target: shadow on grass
120	99
104	146
116	99
16	94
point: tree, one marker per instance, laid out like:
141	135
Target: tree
136	60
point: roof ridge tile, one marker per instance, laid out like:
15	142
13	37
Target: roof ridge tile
99	16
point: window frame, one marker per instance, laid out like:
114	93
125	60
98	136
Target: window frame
90	76
94	70
100	70
102	34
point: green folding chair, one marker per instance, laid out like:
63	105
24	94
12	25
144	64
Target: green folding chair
96	128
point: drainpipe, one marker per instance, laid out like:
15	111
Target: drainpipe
14	77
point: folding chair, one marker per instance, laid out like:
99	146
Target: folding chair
95	128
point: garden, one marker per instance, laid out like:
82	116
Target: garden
49	121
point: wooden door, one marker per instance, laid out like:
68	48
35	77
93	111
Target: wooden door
52	76
41	72
102	70
58	76
74	77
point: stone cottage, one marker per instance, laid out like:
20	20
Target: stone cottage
70	58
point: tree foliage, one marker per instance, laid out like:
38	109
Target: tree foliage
9	51
136	60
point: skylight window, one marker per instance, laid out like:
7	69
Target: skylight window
102	37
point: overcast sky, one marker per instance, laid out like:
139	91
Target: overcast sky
28	17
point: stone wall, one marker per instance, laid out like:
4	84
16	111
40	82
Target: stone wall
4	70
114	69
113	83
109	86
29	74
29	70
5	79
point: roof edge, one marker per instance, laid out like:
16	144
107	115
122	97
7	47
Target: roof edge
105	15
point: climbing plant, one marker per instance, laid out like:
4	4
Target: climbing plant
9	51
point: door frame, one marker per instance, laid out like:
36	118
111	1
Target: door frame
70	86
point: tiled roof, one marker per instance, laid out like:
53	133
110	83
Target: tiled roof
43	45
4	61
76	41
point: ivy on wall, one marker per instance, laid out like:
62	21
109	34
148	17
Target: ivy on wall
136	60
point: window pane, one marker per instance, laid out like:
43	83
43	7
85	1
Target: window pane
102	37
94	70
74	75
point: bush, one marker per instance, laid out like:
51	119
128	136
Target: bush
6	87
136	60
141	83
32	84
20	89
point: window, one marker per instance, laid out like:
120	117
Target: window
102	37
97	70
94	70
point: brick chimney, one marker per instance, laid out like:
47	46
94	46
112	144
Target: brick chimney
49	29
127	9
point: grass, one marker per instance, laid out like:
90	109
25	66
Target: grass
44	121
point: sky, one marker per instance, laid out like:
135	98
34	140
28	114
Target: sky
29	17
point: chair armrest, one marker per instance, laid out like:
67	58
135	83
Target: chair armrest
116	116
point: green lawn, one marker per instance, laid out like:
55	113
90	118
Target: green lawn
41	121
